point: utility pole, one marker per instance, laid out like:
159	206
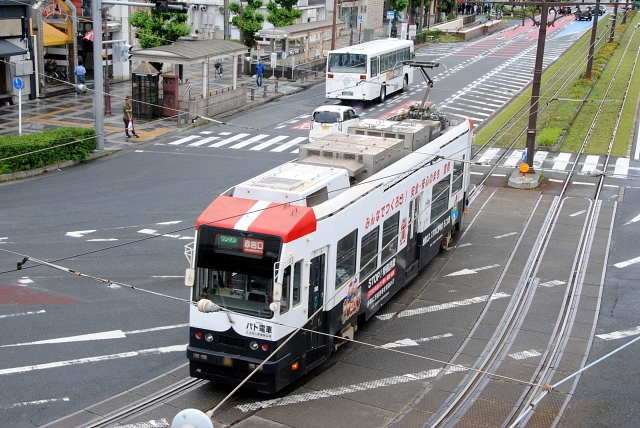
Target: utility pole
333	25
240	37
421	15
535	86
97	73
226	20
594	28
613	22
107	95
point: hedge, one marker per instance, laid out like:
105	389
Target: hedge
45	148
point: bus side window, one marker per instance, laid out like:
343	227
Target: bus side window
286	284
374	66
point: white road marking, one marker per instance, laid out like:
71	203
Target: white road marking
516	155
203	141
249	141
505	235
553	283
477	173
159	423
584	184
171	222
627	263
79	233
114	334
342	390
184	140
37	402
471	271
224	133
498	175
463	245
633	220
56	364
637	154
409	342
538	159
620	334
23	313
561	161
488	155
577	213
102	240
164	327
622	166
148	231
229	140
206	132
435	308
25	280
288	144
590	163
269	142
525	354
1	239
556	180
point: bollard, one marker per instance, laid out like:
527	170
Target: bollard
276	89
315	74
264	95
253	94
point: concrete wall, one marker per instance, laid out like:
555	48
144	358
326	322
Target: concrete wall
217	103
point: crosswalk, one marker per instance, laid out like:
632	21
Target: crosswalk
552	161
241	140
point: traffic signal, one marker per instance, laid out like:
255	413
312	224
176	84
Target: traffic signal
125	52
171	6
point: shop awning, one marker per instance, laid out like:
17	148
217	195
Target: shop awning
9	49
53	36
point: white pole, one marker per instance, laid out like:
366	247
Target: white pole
20	111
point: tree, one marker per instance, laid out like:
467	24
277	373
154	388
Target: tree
158	28
282	12
251	20
398	6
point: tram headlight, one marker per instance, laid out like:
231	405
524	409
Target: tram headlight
208	337
253	345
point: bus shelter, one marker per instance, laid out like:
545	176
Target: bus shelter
203	52
303	32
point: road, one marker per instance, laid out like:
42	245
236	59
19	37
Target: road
70	342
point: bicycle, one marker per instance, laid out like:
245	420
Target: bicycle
51	75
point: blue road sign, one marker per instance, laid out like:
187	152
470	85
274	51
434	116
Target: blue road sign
17	83
361	18
524	156
390	14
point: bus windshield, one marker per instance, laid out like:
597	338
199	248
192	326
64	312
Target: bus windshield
347	63
235	291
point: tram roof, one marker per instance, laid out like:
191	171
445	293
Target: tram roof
374	46
290	222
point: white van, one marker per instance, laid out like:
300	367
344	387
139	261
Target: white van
331	118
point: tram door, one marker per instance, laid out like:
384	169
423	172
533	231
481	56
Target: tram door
317	277
412	250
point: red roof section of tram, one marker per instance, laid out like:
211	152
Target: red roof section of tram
290	222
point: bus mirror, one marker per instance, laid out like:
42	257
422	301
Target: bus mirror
277	292
274	307
189	277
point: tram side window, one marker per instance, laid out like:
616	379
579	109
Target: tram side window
369	253
297	281
286	283
440	198
390	237
458	168
374	66
346	258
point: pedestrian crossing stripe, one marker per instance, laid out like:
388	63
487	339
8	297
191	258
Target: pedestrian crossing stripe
553	161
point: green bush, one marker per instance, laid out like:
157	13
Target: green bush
45	148
549	136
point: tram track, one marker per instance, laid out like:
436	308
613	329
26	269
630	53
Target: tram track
468	394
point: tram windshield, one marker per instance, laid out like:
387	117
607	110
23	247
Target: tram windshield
235	270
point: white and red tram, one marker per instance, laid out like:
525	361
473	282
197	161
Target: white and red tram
344	227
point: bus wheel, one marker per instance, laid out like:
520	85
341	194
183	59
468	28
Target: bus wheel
405	83
383	94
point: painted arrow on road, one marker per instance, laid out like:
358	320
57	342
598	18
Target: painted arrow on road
471	271
410	342
627	263
79	233
633	220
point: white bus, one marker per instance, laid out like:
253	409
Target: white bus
370	70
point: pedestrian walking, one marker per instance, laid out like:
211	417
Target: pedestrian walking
80	71
127	111
259	72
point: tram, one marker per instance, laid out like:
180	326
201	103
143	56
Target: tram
321	242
